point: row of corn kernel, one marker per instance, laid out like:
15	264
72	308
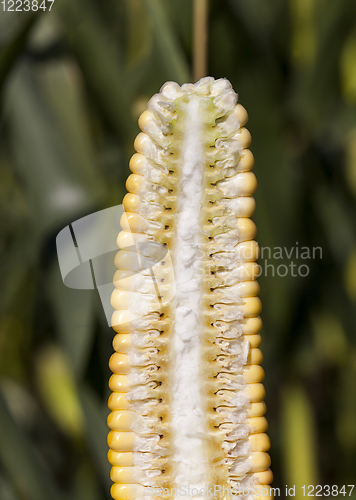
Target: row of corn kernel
148	205
249	426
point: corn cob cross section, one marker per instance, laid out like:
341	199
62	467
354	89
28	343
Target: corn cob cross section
187	406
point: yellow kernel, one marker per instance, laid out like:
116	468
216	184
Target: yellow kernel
265	477
118	364
120	320
255	339
248	289
123	475
119	383
247	250
122	459
133	222
251	326
117	401
141	143
121	441
257	424
125	259
137	164
241	114
255	357
246	206
135	183
125	239
253	374
122	420
145	119
260	461
247	161
127	491
122	342
247	183
247	229
255	392
248	271
122	299
244	137
256	409
131	202
252	307
259	442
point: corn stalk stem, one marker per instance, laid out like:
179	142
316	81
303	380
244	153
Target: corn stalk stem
200	35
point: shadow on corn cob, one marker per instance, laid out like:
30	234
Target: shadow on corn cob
187	402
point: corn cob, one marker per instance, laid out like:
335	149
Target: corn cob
187	403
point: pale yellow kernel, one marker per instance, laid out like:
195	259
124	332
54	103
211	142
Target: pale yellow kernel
131	202
123	475
127	491
247	160
118	401
122	459
251	326
135	223
241	114
120	320
125	239
257	424
244	137
141	143
256	409
135	183
265	477
145	119
255	392
119	383
122	420
124	279
260	461
253	374
255	357
246	206
125	259
122	299
137	164
252	307
248	183
122	342
247	228
247	288
122	274
121	441
118	363
259	442
248	271
255	339
247	250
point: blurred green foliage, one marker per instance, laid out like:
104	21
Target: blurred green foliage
72	83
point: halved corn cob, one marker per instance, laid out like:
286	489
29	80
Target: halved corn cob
187	403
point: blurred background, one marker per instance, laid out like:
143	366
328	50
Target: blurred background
73	82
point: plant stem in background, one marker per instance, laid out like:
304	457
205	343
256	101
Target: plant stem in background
200	36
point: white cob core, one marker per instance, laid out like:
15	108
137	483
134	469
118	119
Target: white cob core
188	421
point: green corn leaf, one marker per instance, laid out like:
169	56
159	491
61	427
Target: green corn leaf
171	53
